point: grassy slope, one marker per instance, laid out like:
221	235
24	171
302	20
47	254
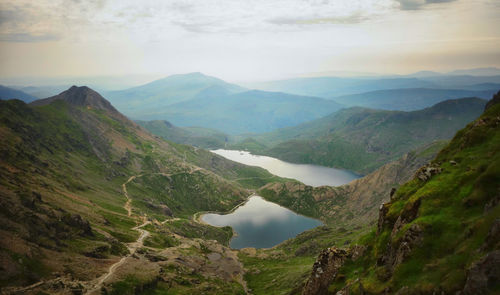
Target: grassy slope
355	203
362	139
348	212
60	161
195	136
457	209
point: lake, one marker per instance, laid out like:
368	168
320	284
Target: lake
261	224
313	175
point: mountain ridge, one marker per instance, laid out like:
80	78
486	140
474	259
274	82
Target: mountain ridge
11	93
362	139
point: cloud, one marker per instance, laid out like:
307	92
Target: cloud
277	15
350	19
418	4
26	37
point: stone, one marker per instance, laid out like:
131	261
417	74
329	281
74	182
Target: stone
324	271
483	277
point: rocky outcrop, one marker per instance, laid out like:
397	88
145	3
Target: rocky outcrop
395	255
484	275
492	240
76	221
325	270
493	101
425	173
361	197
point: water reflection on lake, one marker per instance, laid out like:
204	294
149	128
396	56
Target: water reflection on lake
261	224
313	175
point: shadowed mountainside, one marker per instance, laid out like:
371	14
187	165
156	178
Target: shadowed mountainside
10	93
363	139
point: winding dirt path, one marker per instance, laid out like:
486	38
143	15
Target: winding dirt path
132	247
95	286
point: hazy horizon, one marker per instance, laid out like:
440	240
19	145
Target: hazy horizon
244	40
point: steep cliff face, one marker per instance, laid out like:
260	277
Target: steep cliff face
439	233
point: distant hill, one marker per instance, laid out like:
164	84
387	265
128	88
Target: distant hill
199	100
42	91
335	86
490	71
410	99
195	136
249	111
141	101
328	87
459	81
10	93
362	139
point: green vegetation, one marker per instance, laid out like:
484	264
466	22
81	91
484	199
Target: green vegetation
63	164
182	194
445	221
285	268
192	229
195	136
362	139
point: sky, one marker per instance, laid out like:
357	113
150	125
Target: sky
245	40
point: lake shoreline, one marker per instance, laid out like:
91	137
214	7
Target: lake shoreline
276	218
309	174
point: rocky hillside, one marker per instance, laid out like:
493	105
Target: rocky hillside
438	234
357	202
70	167
348	212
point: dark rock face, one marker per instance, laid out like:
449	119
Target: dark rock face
382	220
484	275
493	101
492	240
324	270
75	220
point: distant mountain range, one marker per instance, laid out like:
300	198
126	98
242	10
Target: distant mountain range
10	93
249	111
329	87
42	91
199	100
170	90
410	99
362	139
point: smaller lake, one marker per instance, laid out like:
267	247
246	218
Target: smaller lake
261	224
313	175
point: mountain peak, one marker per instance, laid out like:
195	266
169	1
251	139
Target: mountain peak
80	96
